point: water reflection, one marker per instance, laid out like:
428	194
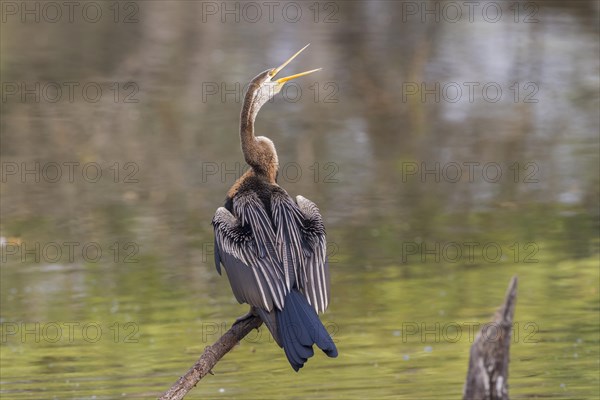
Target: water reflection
413	185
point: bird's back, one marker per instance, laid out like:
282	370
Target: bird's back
252	183
274	251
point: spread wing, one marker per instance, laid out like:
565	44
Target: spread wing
267	257
302	246
244	246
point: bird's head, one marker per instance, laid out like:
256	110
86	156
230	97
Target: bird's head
259	151
265	85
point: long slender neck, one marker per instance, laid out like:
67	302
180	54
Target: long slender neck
249	143
259	152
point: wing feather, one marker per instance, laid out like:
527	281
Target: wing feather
302	246
287	219
267	255
245	251
316	266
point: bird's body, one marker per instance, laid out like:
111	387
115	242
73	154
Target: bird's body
272	247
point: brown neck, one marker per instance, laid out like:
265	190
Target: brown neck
259	155
249	142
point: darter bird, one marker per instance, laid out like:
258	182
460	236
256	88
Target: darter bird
272	247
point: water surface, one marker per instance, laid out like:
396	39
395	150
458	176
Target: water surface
431	205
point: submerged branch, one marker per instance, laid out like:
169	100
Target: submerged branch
209	358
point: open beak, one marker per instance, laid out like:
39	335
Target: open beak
281	81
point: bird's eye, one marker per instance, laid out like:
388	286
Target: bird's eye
272	72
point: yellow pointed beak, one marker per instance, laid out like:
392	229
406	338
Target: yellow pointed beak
281	81
289	78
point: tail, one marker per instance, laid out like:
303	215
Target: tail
298	328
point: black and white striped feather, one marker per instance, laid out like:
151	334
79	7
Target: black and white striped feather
267	255
315	269
252	268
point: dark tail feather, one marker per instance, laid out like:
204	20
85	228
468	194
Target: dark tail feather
299	327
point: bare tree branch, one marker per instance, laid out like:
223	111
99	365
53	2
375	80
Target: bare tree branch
211	355
487	378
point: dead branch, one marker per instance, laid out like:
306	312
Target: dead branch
487	378
209	358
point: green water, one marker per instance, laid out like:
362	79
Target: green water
108	288
154	326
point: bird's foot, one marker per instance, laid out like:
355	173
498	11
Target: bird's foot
250	314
